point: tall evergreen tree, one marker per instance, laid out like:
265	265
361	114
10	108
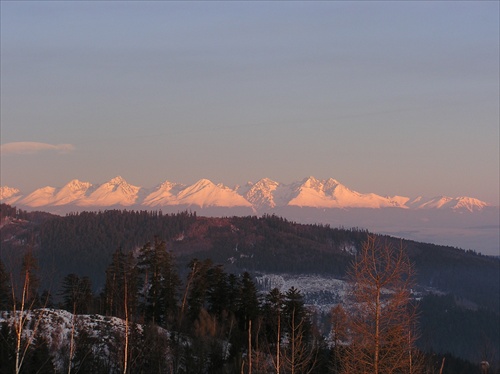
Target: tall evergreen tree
248	306
160	283
300	354
273	312
294	308
76	293
218	291
120	290
5	292
197	287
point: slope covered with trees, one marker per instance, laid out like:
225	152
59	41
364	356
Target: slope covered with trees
215	322
193	276
83	244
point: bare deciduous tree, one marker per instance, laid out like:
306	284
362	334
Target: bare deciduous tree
22	308
300	356
382	318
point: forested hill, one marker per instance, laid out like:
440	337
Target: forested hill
83	244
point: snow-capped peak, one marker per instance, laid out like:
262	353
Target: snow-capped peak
40	197
400	201
117	180
77	185
469	203
445	202
313	183
332	194
6	192
330	182
261	194
265	194
72	192
115	192
203	182
164	194
206	193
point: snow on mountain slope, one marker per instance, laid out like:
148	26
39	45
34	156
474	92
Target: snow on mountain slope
205	193
332	194
165	194
444	202
72	192
115	192
469	203
399	200
6	192
311	193
9	195
263	195
40	197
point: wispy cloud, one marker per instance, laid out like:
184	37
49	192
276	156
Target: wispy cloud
34	147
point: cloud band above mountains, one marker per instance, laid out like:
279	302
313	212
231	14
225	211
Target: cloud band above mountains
34	147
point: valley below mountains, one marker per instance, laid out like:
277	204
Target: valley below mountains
456	290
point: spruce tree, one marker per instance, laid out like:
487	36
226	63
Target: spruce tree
160	283
5	292
248	308
76	293
120	290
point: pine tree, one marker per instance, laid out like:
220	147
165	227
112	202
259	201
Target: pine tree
5	294
273	310
120	290
160	283
248	312
218	291
294	304
196	288
248	304
76	293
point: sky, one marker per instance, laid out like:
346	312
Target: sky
395	98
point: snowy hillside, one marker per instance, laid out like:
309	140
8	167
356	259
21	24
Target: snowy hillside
57	326
97	342
320	293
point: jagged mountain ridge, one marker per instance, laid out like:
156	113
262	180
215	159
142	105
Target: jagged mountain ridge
260	196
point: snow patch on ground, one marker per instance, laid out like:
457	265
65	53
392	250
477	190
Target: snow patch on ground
320	292
57	326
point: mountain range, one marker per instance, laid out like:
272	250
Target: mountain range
262	196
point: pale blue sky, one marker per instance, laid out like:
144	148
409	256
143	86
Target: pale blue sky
386	97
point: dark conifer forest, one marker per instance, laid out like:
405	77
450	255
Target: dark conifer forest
185	288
